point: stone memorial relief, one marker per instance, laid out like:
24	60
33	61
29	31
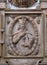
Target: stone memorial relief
22	32
23	36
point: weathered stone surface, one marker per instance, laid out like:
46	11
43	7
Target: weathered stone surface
2	0
3	64
43	5
43	0
23	62
46	40
44	63
24	47
2	5
0	50
20	36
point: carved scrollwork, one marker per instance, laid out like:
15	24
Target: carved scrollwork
22	3
24	39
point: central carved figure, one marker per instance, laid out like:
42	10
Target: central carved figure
22	39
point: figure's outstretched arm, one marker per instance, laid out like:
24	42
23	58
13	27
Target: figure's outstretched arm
18	38
17	32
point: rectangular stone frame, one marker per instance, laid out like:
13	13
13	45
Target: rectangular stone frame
1	32
46	33
0	35
29	12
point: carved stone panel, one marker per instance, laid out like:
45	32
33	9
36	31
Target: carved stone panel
24	36
23	39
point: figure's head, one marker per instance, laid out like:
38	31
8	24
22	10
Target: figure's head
22	22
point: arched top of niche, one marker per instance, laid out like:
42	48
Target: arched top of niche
24	4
